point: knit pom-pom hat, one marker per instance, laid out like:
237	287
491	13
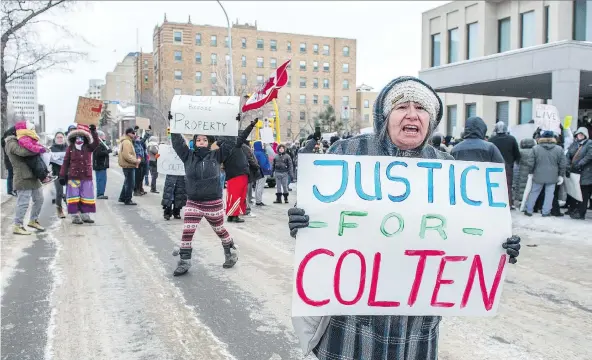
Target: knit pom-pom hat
81	130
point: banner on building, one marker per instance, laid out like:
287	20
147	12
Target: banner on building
168	162
205	115
88	111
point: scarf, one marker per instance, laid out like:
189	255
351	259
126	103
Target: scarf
25	132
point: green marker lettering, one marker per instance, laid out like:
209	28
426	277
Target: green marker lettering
439	228
343	225
386	218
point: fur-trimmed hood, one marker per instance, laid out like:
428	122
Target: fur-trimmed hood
79	132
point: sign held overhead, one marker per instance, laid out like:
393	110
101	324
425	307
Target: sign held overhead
205	115
88	111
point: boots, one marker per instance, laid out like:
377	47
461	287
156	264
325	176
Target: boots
60	212
183	266
231	256
278	198
286	197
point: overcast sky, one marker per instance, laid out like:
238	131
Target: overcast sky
388	37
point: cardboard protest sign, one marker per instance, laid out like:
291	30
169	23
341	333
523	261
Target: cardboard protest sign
88	111
400	236
547	118
266	134
205	115
142	122
168	162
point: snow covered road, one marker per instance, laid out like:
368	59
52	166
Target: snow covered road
106	291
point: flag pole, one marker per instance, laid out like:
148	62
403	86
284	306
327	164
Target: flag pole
277	122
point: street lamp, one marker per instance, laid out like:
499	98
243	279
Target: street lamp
229	65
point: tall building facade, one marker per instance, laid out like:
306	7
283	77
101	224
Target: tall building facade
22	98
120	83
498	59
95	87
365	97
146	106
41	122
191	59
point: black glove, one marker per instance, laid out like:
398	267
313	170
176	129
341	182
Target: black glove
62	181
136	128
512	246
238	117
170	116
297	219
92	127
254	121
149	127
577	168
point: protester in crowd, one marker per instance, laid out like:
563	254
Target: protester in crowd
8	164
254	174
436	142
508	147
152	148
101	164
237	171
58	152
265	170
547	166
474	147
140	149
406	112
580	162
76	173
28	139
128	161
27	186
174	196
204	194
521	176
282	170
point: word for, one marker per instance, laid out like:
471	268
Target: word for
197	125
429	165
476	269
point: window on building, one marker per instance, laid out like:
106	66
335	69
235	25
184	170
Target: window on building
198	39
289	81
178	75
289	46
302	47
366	104
289	116
302	115
450	120
345	68
525	111
177	91
226	41
259	62
273	63
435	50
198	76
502	111
214	59
243	61
315	66
580	21
527	29
302	82
226	58
470	110
198	92
346	51
214	92
260	44
302	99
546	25
178	56
315	83
145	80
244	43
177	36
213	77
315	99
260	79
503	35
315	49
453	48
472	36
213	40
345	100
326	67
345	85
145	63
273	45
243	79
325	83
366	117
288	99
326	50
302	65
198	58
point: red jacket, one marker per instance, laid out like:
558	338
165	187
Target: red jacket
78	163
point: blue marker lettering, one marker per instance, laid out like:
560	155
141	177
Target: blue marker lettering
451	185
463	186
491	185
430	166
358	182
344	178
405	195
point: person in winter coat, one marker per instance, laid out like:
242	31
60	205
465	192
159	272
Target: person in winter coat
404	101
474	147
152	148
521	177
76	173
101	164
58	152
28	139
508	147
436	142
204	193
174	196
547	166
282	171
264	168
128	161
7	163
580	162
254	173
140	149
236	167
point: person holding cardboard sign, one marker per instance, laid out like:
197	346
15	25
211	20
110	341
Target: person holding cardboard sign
406	113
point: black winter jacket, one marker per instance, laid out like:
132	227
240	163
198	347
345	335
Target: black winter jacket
236	163
174	191
474	147
508	146
101	157
202	165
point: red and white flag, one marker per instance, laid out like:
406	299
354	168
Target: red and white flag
269	90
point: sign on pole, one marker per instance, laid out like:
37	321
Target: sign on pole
168	162
546	117
88	111
205	115
400	236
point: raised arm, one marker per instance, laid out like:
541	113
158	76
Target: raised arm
95	138
180	146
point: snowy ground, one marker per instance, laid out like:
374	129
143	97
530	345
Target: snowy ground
105	291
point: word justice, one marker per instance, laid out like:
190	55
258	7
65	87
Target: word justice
476	269
430	166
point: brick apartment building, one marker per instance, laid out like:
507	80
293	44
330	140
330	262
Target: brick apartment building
191	59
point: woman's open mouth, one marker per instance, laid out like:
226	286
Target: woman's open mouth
411	129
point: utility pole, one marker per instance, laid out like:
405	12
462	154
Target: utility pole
230	77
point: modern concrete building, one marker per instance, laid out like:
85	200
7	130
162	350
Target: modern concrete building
191	59
365	97
498	59
22	98
120	83
94	88
40	128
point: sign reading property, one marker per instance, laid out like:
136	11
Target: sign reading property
168	162
205	115
88	111
400	236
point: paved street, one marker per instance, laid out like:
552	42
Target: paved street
106	291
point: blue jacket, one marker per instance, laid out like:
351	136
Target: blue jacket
262	158
474	147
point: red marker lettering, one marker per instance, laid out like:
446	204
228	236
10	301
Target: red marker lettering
423	254
337	277
300	277
488	299
440	281
374	284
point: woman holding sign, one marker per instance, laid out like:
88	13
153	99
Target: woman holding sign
204	193
406	113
